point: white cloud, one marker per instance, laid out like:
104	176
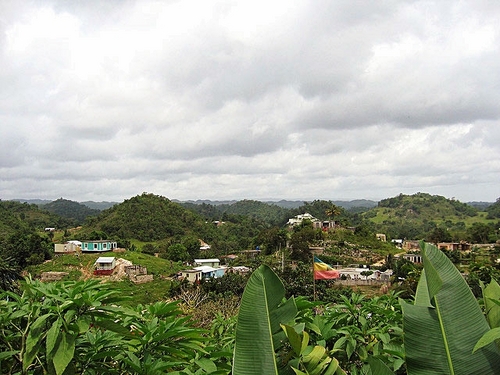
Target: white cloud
232	100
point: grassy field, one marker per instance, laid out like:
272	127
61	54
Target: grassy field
82	267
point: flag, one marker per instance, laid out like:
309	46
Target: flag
323	271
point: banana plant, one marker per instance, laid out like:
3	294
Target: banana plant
309	359
445	322
258	330
491	297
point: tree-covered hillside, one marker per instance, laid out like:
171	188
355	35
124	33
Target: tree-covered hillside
423	204
15	216
146	217
494	210
431	217
267	212
74	211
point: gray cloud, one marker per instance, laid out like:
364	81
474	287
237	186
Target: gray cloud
223	100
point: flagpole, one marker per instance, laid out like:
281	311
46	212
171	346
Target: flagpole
314	280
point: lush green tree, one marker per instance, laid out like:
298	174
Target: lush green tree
192	245
439	234
301	239
177	252
480	233
27	247
272	239
333	211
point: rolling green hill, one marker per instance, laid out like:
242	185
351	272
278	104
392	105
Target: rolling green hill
415	216
15	216
70	210
147	218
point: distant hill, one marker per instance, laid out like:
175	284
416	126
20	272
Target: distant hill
101	206
15	216
481	206
32	201
145	217
269	213
70	210
413	216
493	210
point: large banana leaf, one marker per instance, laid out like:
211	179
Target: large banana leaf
262	310
491	296
445	323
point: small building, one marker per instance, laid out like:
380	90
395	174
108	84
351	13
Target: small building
414	258
98	246
70	247
297	220
398	242
207	272
381	237
411	245
214	262
354	273
104	265
454	246
193	276
241	270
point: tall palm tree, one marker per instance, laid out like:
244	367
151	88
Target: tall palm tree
333	211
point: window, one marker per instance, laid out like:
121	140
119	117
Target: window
95	246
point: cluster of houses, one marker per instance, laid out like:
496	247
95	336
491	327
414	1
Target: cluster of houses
207	269
91	246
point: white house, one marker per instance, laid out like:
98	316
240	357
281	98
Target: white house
214	262
69	247
192	275
297	220
104	265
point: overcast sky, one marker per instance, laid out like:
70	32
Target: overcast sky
104	100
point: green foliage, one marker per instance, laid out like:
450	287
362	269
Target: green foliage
25	247
364	331
76	327
302	238
74	211
9	274
270	214
445	323
481	233
231	284
494	210
323	210
149	249
15	216
417	216
177	252
258	329
146	217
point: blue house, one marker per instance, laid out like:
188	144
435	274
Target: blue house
98	246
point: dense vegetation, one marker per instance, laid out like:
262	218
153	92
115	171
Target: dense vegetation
15	216
86	327
74	211
424	216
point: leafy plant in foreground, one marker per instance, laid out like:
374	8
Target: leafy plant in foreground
444	324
